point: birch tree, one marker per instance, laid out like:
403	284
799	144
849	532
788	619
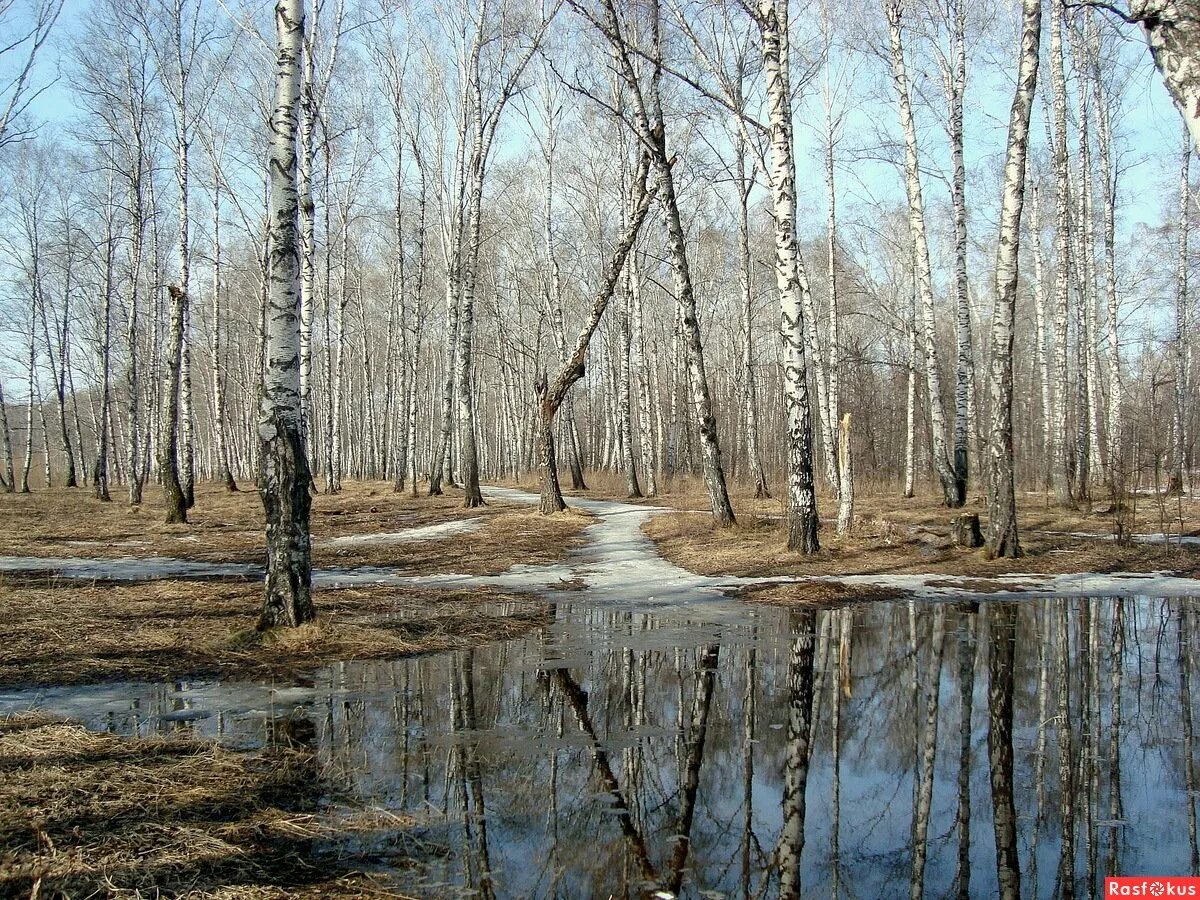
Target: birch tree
790	278
1002	504
924	276
1179	480
284	478
650	127
24	41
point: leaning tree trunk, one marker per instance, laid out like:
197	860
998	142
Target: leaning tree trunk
552	394
284	478
648	120
1002	503
916	223
1173	31
802	520
168	432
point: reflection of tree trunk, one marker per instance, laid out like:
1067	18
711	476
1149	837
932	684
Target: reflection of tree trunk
842	686
928	751
748	714
577	700
1003	639
795	775
966	683
1039	771
1117	668
1089	771
1066	861
1185	704
474	777
701	704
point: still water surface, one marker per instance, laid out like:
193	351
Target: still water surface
728	750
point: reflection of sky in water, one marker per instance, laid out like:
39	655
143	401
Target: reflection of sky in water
388	738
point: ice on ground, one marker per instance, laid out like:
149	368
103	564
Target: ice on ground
618	565
407	536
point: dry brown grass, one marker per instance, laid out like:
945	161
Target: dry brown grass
85	814
883	545
225	527
75	633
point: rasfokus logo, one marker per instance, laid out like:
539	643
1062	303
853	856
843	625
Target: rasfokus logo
1151	886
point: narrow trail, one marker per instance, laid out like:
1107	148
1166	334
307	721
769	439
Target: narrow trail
618	566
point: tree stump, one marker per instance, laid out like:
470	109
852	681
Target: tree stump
965	529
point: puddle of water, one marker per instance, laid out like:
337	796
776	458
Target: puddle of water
620	750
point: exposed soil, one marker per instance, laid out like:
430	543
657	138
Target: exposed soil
78	633
228	527
85	814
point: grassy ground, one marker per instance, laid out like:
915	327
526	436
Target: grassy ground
897	535
77	633
85	815
894	534
225	527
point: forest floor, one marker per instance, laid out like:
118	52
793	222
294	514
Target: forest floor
87	814
908	536
59	631
71	632
367	524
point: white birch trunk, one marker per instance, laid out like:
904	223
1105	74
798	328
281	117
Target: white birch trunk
916	218
1042	354
1172	29
802	520
1063	487
284	479
1002	508
1179	472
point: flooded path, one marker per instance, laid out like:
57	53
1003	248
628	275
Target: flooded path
619	750
661	739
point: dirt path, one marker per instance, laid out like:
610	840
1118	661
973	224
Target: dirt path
619	565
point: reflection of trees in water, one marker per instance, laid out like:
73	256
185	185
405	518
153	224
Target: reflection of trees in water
669	757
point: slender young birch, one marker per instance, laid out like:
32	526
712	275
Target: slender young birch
1063	487
790	279
1108	177
168	428
954	78
641	382
224	471
745	184
1041	352
100	472
10	483
1002	503
284	476
916	221
1179	470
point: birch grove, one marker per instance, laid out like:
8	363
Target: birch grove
664	246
